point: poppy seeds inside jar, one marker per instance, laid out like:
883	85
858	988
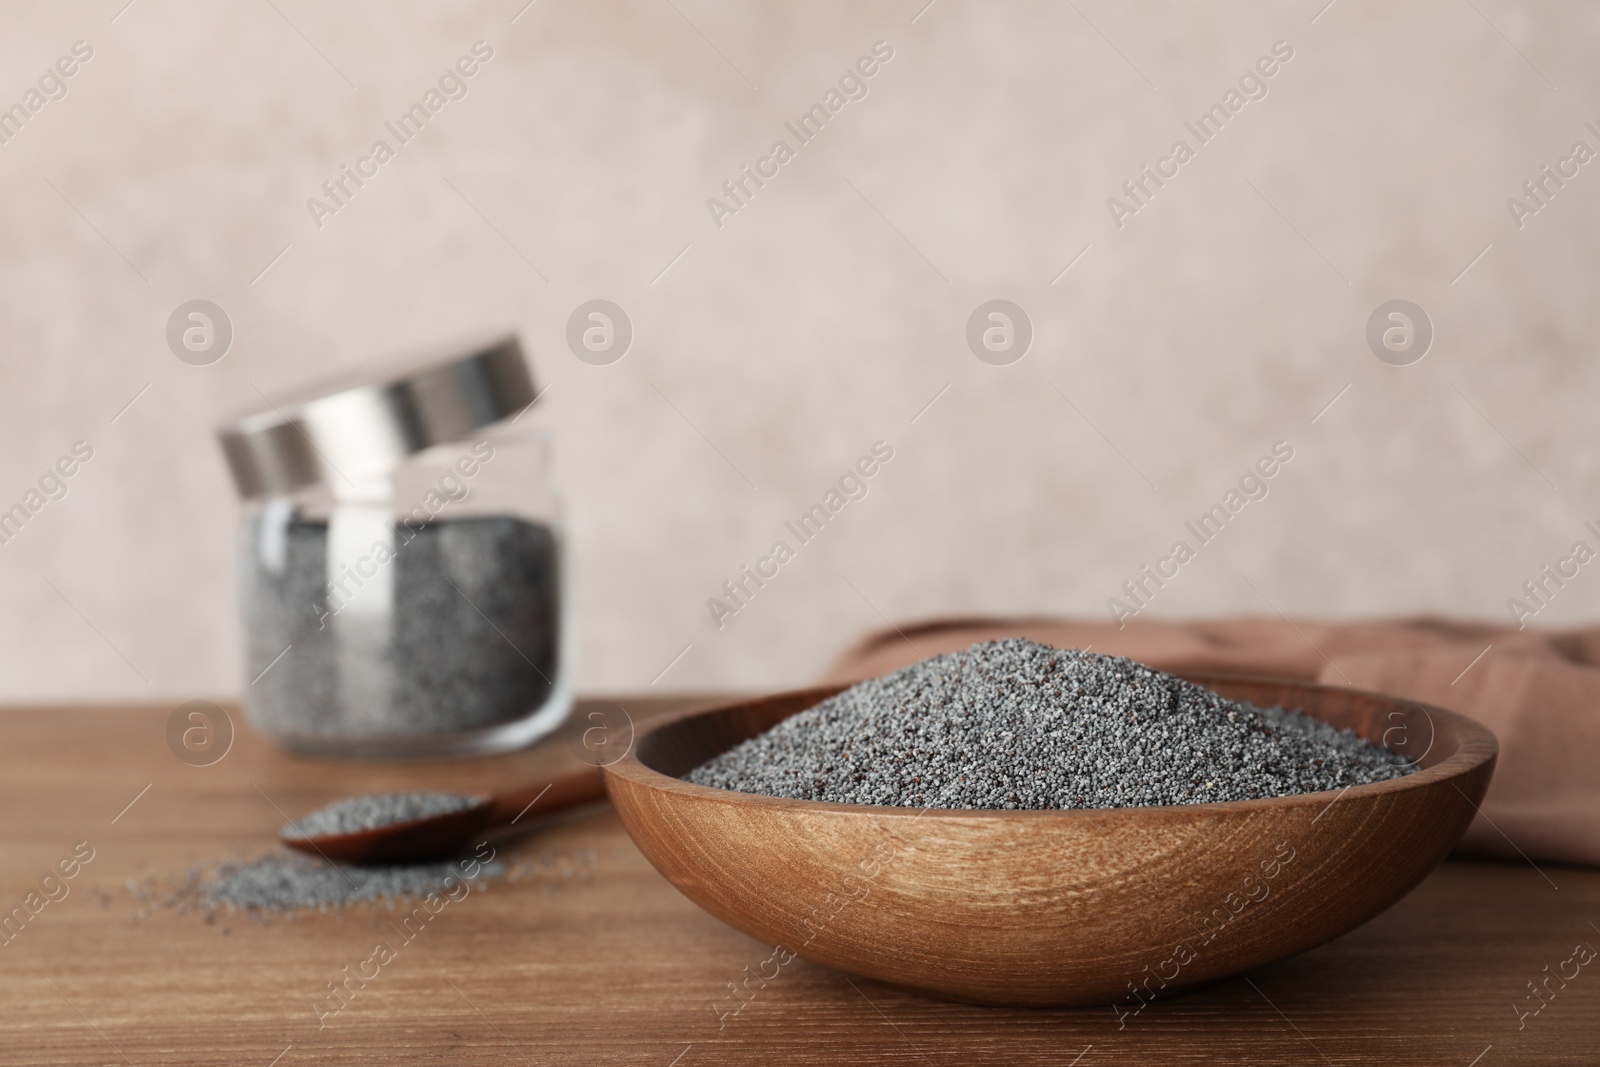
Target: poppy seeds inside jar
470	640
1015	724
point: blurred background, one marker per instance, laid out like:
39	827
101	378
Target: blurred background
1173	343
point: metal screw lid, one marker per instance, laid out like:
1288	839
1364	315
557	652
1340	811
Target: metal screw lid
360	432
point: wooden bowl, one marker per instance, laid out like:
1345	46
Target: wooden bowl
1111	906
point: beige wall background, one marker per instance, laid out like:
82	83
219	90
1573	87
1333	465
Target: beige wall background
825	315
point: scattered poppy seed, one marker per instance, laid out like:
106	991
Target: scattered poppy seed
289	881
286	881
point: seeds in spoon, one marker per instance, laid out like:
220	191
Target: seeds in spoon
378	810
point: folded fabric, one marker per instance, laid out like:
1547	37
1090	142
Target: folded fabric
1538	690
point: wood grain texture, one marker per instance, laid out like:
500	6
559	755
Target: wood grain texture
1040	908
592	957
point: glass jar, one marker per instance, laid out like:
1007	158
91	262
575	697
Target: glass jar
401	565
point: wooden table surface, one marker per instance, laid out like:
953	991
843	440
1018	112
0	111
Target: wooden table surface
588	956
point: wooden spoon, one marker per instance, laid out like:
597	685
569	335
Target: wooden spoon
441	836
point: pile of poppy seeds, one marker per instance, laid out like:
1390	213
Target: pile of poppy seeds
1015	724
288	881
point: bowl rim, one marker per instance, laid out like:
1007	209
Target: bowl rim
1476	745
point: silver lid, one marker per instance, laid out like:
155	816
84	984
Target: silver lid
356	433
